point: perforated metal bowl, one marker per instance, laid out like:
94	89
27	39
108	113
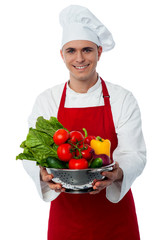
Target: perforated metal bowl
78	181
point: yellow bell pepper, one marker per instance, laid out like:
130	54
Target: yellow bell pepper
101	146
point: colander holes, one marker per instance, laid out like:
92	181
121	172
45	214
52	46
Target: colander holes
72	180
91	178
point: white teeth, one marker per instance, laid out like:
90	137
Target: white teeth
81	67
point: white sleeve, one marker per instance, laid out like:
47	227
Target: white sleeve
34	172
131	151
30	166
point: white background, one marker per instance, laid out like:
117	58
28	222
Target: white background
30	62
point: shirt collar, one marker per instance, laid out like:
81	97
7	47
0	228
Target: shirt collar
90	90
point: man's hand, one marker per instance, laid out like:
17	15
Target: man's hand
115	175
47	178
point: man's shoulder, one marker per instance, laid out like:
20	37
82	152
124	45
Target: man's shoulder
116	91
52	91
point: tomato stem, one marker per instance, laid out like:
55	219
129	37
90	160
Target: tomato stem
85	132
75	147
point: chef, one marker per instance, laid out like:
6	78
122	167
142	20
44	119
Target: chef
86	100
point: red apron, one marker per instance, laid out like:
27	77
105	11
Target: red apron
85	216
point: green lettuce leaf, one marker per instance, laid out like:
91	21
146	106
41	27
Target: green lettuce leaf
26	156
39	144
36	138
48	126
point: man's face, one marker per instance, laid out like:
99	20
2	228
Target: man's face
81	57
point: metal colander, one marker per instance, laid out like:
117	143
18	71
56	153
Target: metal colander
78	180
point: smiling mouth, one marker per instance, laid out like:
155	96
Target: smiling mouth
81	67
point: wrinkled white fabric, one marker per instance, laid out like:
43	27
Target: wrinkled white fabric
79	23
131	150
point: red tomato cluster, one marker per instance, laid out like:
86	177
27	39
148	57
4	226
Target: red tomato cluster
73	148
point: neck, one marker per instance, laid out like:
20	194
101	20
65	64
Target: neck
82	86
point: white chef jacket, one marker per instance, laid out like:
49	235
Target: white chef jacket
130	152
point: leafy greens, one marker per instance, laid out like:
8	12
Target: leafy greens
39	144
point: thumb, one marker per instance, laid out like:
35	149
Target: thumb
44	175
116	165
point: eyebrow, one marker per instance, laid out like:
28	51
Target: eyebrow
85	48
70	48
88	48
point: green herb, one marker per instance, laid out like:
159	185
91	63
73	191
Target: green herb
48	126
39	144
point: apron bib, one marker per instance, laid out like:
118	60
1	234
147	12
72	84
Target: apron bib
85	216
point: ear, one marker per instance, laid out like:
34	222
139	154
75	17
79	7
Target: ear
99	52
61	52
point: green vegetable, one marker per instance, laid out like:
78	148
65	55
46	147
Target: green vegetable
96	163
48	126
39	144
54	163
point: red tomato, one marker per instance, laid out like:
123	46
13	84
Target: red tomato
85	150
78	163
75	136
64	152
88	139
60	136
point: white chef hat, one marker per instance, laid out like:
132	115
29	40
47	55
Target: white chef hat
79	23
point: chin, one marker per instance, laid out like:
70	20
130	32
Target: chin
83	77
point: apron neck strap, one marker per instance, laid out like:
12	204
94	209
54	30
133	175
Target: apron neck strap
104	90
62	101
106	95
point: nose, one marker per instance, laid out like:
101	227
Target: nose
79	57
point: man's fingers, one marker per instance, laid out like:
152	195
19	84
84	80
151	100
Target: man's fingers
102	184
116	165
110	177
112	174
45	177
115	175
55	186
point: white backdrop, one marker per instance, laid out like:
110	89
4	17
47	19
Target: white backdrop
30	62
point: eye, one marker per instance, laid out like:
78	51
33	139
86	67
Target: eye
87	49
71	50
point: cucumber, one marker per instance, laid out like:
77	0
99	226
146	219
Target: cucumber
54	163
96	163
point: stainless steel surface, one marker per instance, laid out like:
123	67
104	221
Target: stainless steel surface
78	180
